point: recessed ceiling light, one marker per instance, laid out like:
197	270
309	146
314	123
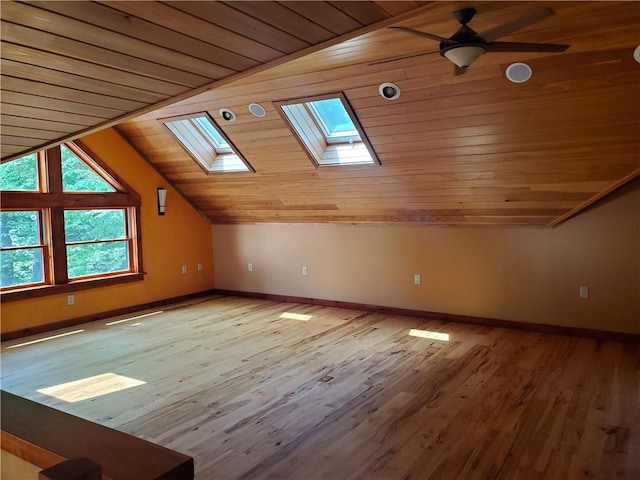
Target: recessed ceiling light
389	90
227	114
257	110
636	54
518	72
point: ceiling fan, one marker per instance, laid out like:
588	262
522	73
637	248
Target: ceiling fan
466	45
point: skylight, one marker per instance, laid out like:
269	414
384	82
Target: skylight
206	143
328	130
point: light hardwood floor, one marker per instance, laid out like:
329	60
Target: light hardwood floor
349	394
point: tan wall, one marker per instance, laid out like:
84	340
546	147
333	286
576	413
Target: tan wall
518	274
12	466
182	236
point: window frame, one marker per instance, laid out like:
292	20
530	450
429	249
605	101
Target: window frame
52	202
220	148
320	148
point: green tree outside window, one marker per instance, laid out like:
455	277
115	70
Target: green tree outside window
98	238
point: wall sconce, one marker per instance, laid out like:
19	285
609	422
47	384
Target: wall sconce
162	200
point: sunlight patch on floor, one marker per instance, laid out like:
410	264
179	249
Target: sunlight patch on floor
444	337
134	318
295	316
52	337
90	387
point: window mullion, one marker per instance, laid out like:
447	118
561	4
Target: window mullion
135	237
56	218
43	174
58	247
53	159
45	245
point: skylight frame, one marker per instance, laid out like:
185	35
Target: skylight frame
203	147
323	151
220	145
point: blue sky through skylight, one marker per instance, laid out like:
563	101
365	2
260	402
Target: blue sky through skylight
208	129
333	118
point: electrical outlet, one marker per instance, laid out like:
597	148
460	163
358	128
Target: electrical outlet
304	270
71	299
184	269
250	267
199	267
417	279
584	292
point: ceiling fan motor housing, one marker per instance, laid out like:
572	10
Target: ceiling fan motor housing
464	15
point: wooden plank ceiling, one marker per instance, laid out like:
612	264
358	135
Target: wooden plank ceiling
70	66
469	149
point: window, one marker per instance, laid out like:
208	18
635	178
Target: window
328	130
66	223
22	248
96	242
207	144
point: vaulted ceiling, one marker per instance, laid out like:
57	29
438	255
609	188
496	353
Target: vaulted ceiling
69	67
468	149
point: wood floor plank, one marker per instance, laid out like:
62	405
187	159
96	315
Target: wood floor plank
252	394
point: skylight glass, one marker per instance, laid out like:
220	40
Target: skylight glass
199	135
334	120
208	130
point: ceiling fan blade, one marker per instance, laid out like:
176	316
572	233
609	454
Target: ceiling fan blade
525	47
459	70
437	38
401	57
516	24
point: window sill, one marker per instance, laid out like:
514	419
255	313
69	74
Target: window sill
338	155
46	290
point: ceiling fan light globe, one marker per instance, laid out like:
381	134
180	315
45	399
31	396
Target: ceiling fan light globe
463	55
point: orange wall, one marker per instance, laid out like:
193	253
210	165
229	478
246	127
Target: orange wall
518	274
181	237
